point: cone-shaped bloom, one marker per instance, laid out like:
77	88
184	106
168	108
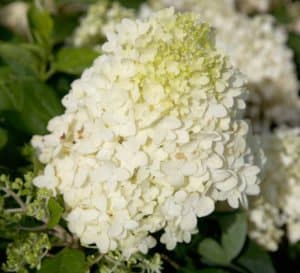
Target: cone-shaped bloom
152	136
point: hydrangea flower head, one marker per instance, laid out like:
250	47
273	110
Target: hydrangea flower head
152	136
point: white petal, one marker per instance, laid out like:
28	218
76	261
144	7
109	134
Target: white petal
189	221
189	168
103	243
214	162
205	206
217	110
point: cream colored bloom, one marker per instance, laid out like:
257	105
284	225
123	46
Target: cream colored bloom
14	17
152	137
257	46
101	18
278	204
250	6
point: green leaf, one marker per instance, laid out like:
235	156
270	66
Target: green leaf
20	59
3	138
74	60
281	14
26	103
66	261
255	259
64	26
234	233
41	25
55	212
11	96
213	252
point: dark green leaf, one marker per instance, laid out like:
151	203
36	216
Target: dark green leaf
20	59
132	3
55	211
213	252
5	34
281	14
11	95
41	25
234	233
26	103
3	138
74	60
63	27
294	43
255	259
66	261
213	270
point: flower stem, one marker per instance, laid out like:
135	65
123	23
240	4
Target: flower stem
15	197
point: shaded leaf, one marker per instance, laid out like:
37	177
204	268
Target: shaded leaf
234	233
55	211
294	43
74	60
63	27
66	261
132	3
255	259
26	103
3	138
20	59
213	270
213	252
41	25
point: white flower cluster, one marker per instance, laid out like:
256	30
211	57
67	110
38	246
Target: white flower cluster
279	202
258	48
152	136
101	18
189	5
14	17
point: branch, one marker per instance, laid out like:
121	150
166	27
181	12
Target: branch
15	197
38	228
16	210
170	261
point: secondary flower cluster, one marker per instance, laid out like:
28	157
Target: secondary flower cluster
258	48
152	137
250	6
14	17
101	18
189	5
278	203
